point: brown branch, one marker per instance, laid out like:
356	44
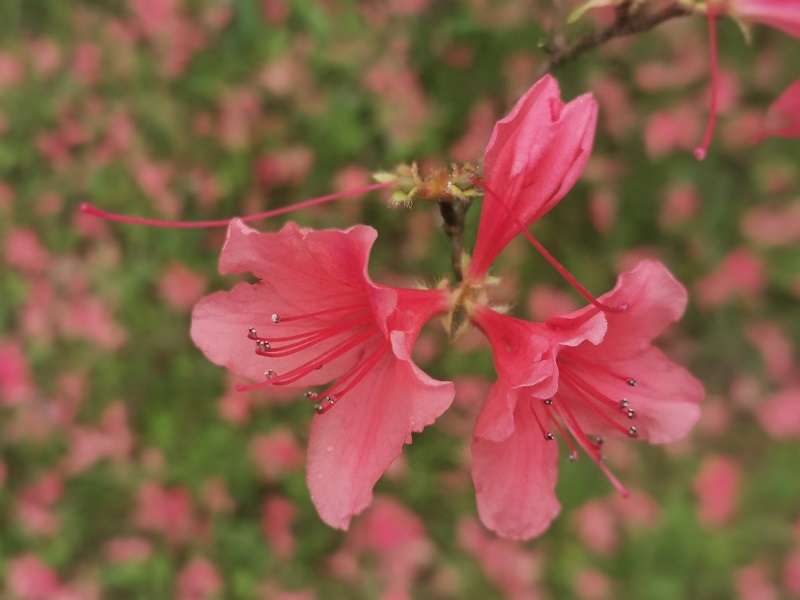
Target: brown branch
454	215
626	23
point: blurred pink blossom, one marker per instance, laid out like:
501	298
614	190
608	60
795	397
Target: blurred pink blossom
666	132
16	385
752	584
111	439
199	580
680	205
167	511
123	550
181	287
597	526
24	251
779	415
28	578
773	226
90	319
592	584
277	517
603	210
45	55
616	110
791	574
479	127
275	11
87	62
11	70
276	453
717	489
290	166
545	301
512	568
774	348
637	510
741	273
216	496
397	538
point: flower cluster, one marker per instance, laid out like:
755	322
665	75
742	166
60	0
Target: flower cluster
315	320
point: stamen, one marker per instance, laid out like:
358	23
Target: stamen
592	449
573	452
89	209
307	340
312	365
701	151
580	388
548	435
355	375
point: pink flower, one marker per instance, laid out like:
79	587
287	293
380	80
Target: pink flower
28	578
198	580
584	372
780	14
717	489
783	116
780	414
534	157
316	317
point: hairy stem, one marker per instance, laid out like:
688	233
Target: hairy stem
454	215
627	22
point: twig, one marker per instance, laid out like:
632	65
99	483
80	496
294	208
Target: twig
454	214
626	23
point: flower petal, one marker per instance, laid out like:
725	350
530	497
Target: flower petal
515	479
653	299
665	398
534	157
354	443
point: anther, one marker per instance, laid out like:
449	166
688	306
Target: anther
310	395
330	399
631	382
549	436
623	404
276	318
252	333
263	345
269	373
573	456
319	408
548	402
599	441
631	413
632	432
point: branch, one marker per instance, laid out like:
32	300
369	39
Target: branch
454	215
626	23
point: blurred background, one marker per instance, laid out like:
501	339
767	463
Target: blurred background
130	468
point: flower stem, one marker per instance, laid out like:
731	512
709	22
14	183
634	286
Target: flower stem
454	215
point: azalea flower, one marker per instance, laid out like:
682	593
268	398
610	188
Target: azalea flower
781	14
593	370
313	318
783	116
533	158
316	320
586	372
